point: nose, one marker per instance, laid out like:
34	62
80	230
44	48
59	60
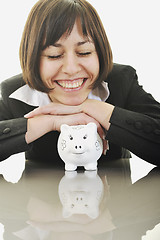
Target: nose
71	65
78	147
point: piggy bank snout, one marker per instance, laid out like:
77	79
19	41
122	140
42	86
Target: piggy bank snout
78	148
78	197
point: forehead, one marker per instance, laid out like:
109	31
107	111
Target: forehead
76	35
77	32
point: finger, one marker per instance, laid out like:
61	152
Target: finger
49	109
33	113
105	146
45	110
105	142
54	109
73	119
100	131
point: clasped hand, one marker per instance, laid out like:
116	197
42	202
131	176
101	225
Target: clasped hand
89	111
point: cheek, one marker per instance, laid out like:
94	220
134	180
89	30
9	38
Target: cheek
93	66
47	69
96	65
43	69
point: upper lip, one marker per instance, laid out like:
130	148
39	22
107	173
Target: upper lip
74	79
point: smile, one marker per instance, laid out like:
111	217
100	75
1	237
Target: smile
71	84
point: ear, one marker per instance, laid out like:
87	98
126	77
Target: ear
64	127
92	126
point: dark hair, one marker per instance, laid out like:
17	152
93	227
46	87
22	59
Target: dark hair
47	22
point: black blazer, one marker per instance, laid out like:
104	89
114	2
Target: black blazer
135	122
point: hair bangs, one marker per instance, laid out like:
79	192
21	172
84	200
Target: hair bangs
61	21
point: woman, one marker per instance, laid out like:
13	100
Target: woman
68	73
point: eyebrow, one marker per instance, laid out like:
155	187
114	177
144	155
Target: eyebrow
77	44
83	42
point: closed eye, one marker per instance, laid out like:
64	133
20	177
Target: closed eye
84	53
54	57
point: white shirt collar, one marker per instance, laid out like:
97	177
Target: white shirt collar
36	98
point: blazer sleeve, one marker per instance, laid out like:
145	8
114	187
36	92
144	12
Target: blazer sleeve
12	131
136	125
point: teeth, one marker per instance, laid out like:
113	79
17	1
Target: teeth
71	84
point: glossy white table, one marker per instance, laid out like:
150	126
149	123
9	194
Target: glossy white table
48	203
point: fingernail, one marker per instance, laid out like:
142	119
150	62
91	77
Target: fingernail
107	146
105	152
27	115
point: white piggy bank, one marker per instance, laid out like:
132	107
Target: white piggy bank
80	145
81	193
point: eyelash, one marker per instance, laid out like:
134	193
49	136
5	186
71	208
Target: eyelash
83	54
54	57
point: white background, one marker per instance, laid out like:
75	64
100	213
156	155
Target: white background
132	27
133	31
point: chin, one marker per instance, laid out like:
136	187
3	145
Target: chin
73	101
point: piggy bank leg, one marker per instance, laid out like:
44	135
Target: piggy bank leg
70	167
91	166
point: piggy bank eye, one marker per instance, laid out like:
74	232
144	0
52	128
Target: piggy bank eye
70	137
85	136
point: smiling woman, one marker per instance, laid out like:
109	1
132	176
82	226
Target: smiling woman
68	77
69	68
47	33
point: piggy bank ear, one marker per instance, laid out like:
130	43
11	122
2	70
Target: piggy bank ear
92	126
64	127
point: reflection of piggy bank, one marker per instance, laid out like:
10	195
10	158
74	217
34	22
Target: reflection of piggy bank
81	193
80	146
